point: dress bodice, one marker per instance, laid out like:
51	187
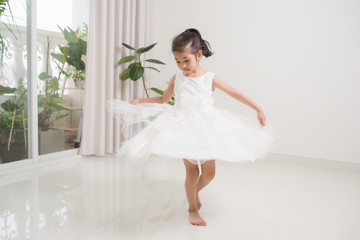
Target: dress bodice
193	93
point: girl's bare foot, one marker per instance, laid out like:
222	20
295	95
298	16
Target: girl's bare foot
196	219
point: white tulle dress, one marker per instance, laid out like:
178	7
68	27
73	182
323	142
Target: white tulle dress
192	128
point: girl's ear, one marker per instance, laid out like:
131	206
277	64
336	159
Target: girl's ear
199	55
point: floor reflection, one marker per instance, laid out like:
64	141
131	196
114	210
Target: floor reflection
84	196
108	198
8	225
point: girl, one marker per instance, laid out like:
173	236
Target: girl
192	129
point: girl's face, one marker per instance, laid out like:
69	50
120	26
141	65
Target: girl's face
187	61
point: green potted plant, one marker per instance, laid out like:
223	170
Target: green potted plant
13	122
49	100
74	53
13	145
136	70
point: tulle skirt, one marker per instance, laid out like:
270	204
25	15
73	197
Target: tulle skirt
198	134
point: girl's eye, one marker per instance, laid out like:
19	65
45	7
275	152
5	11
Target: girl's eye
186	60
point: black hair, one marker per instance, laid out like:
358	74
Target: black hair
193	36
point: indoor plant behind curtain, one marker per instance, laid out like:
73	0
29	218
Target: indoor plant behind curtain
112	22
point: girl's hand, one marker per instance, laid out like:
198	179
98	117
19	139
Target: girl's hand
134	101
261	118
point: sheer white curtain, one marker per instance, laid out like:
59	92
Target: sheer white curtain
112	22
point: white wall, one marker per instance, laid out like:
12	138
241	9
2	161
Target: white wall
299	60
80	13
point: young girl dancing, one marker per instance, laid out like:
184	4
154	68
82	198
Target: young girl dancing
193	129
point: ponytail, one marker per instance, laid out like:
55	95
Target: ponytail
193	36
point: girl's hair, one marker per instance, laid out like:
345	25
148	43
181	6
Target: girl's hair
193	36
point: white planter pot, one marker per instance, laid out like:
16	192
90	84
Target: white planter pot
51	141
79	83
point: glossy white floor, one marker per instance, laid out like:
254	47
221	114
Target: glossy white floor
108	198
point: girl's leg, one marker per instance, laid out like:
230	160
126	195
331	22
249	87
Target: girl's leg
192	175
208	173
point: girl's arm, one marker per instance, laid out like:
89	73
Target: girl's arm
160	99
218	83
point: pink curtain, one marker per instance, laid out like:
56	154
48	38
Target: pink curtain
112	22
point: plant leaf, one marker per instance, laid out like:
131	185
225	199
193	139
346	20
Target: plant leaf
145	49
154	61
62	30
153	68
60	57
72	31
126	59
75	51
56	107
125	74
44	76
134	64
136	72
9	106
4	90
78	64
54	84
59	116
128	46
64	50
82	46
70	36
161	92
